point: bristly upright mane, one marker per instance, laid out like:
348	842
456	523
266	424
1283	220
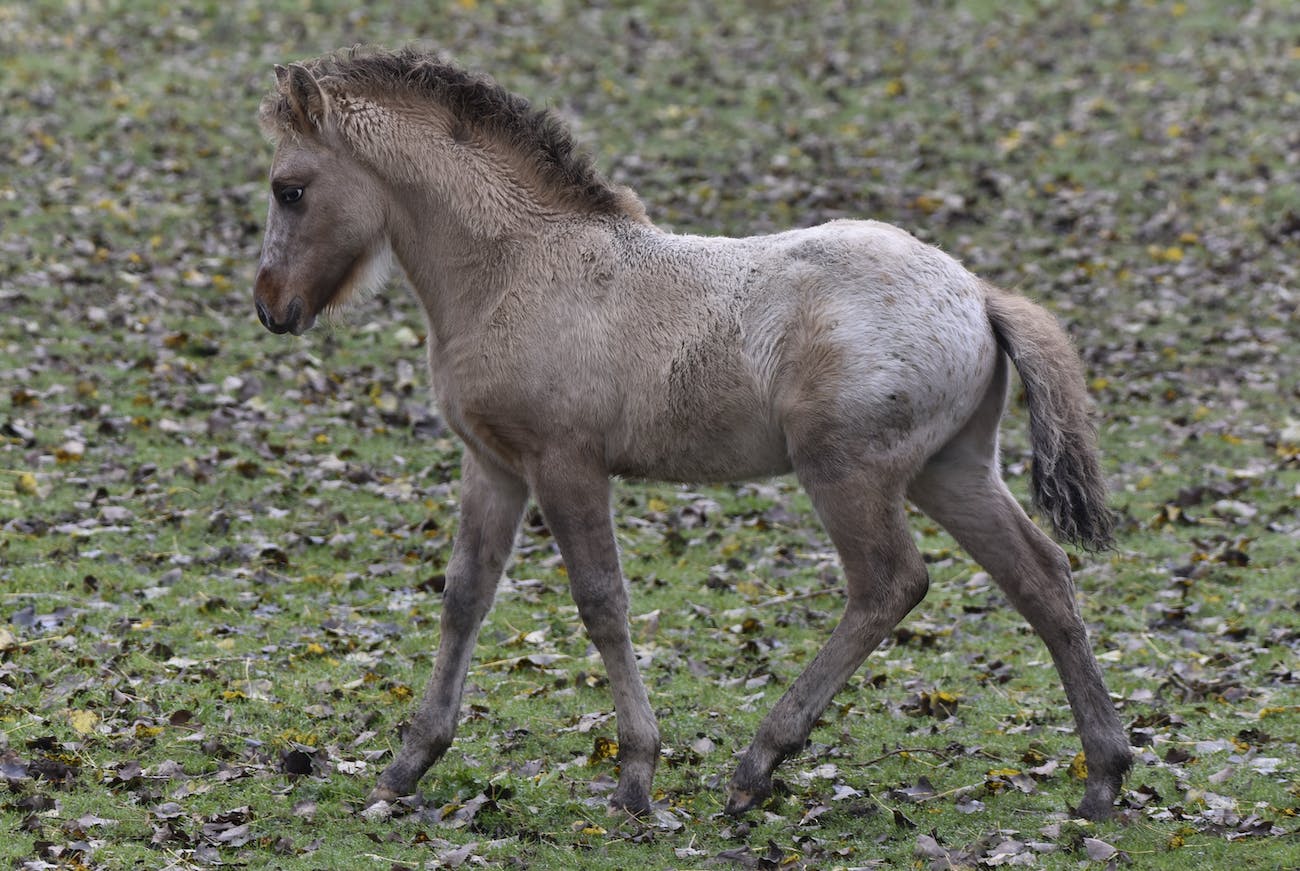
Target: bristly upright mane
478	103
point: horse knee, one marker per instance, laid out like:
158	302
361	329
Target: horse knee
602	608
464	605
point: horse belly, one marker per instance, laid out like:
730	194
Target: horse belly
699	436
703	457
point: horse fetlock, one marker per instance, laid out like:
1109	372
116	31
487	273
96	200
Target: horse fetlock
638	746
1113	758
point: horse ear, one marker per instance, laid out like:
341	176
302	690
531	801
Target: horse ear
281	76
309	103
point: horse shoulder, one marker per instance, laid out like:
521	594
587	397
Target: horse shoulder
542	362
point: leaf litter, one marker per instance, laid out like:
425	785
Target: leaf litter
204	527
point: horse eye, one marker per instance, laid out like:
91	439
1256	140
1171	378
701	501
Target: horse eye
290	195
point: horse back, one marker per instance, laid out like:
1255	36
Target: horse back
850	331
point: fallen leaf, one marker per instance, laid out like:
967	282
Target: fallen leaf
1098	850
83	722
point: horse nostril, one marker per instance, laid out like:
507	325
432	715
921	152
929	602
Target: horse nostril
264	315
294	314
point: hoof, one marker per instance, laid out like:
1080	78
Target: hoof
740	801
1097	807
635	802
400	778
378	794
1101	791
750	786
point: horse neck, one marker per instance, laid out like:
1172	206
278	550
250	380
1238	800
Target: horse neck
456	250
464	220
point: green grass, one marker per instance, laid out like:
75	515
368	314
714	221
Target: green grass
220	547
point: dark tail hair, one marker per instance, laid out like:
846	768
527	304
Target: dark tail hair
1068	486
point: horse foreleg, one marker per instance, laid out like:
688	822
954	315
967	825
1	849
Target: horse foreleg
576	507
491	504
885	578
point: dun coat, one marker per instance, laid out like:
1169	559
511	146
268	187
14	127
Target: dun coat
570	340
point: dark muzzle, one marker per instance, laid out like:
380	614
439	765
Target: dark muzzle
292	317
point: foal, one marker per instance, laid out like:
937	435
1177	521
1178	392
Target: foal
570	340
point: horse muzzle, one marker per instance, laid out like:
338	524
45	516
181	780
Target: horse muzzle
288	319
292	322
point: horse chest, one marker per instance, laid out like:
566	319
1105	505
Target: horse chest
483	415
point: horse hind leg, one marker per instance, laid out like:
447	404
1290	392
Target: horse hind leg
885	578
961	489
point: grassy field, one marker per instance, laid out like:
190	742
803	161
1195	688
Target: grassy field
220	549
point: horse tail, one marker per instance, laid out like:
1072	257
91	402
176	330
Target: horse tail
1067	482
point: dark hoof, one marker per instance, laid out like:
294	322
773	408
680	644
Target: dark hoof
380	793
741	801
1103	788
750	786
399	779
1097	807
635	802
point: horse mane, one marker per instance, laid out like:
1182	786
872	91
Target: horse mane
474	102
